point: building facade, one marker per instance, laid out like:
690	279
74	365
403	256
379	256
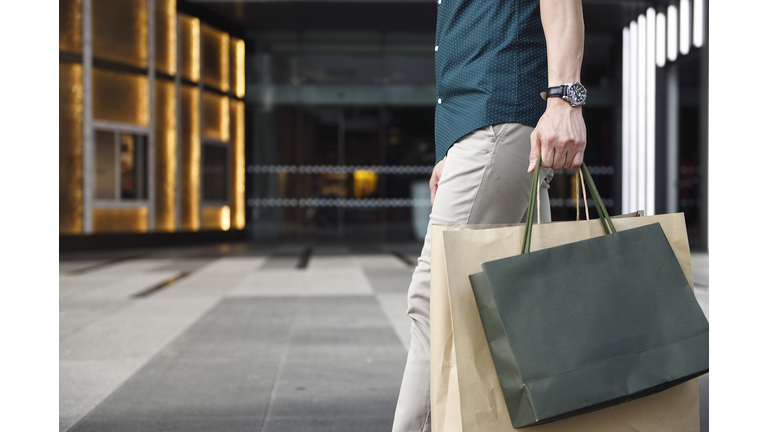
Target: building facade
315	119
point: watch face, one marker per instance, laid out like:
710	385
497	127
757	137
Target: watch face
577	94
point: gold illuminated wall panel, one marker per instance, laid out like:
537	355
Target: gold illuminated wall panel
238	164
216	218
165	156
120	96
215	58
189	164
70	148
215	116
71	26
165	36
190	47
120	31
237	67
117	220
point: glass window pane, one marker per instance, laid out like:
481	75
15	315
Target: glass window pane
238	164
133	167
237	67
165	36
215	116
189	165
215	58
190	47
216	218
105	177
70	148
214	172
120	96
71	26
165	156
120	31
110	220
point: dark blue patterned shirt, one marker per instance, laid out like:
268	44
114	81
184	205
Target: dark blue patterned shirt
490	66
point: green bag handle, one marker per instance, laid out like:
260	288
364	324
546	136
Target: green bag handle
605	220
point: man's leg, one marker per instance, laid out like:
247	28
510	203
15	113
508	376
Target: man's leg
484	181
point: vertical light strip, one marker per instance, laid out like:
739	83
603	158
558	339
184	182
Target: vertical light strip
650	118
178	162
150	155
698	23
88	145
625	84
661	28
642	28
633	116
685	26
672	33
672	144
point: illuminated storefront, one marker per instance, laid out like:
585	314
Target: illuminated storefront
151	120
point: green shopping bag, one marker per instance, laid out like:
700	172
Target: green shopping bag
587	325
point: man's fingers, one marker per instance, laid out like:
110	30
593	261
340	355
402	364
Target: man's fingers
535	151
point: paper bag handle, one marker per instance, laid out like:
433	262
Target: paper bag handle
605	220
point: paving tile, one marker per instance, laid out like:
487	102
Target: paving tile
184	388
236	329
221	369
75	314
135	332
333	262
196	286
124	287
308	283
186	265
341	361
172	424
338	424
389	279
383	262
74	266
231	266
281	262
394	306
270	282
131	266
73	288
335	281
85	383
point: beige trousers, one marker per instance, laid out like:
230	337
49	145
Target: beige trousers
484	181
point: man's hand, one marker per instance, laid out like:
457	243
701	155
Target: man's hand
437	171
560	137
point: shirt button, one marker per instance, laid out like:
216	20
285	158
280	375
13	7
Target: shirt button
439	1
439	101
493	139
435	48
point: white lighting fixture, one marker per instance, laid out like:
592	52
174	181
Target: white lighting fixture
641	109
625	85
671	33
661	28
650	117
633	96
698	23
685	26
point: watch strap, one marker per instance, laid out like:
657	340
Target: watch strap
557	91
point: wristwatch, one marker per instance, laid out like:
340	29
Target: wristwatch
574	92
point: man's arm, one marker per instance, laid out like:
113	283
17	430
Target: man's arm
561	136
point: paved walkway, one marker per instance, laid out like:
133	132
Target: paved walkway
238	337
